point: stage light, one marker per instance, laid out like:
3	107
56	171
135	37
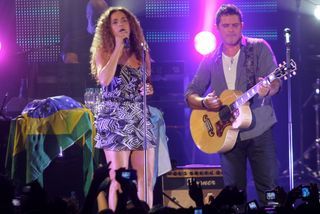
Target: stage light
317	12
205	42
316	86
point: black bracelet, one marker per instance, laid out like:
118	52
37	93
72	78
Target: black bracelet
203	105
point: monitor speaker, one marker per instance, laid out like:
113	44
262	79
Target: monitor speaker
175	184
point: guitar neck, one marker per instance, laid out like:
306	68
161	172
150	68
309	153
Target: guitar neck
245	97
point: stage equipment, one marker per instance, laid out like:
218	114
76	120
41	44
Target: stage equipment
3	103
205	42
303	168
46	80
287	35
316	145
15	105
144	70
175	184
4	134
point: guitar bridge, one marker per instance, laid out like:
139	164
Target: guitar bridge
208	125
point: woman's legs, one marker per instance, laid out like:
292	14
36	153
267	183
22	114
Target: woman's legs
137	162
118	160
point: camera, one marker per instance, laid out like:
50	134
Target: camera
305	192
128	174
252	205
271	195
198	211
16	202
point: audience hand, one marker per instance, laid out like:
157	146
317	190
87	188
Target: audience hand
128	186
195	192
101	173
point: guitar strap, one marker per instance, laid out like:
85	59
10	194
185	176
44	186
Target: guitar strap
249	65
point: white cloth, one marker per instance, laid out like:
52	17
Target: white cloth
162	158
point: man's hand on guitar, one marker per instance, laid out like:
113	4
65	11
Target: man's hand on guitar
264	88
212	101
268	89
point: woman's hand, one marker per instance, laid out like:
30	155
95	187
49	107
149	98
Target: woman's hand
119	42
119	37
149	89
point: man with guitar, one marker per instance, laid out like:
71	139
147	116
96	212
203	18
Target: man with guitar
239	64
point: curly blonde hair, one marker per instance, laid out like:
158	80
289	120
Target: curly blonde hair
104	39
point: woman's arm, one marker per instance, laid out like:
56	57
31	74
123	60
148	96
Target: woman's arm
107	64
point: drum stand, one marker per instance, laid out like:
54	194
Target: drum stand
312	172
303	169
316	145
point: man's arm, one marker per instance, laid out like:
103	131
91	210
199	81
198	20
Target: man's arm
267	64
269	90
209	102
199	85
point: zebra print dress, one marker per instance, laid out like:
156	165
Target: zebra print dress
119	117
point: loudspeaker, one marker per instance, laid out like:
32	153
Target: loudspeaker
175	184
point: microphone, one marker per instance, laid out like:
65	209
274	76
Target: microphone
287	35
126	43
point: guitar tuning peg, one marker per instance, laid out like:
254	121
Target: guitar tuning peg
285	78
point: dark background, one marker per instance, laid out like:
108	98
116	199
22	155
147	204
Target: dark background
170	36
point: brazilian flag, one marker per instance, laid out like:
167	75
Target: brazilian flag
44	129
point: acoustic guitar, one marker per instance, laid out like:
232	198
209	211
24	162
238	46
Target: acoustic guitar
217	131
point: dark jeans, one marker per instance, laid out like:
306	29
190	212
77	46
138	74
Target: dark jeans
260	152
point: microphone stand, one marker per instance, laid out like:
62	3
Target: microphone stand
288	49
144	78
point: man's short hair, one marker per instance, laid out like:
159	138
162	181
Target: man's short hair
226	10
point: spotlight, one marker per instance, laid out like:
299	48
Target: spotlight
205	42
317	12
316	86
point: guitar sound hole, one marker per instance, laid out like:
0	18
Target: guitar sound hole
225	114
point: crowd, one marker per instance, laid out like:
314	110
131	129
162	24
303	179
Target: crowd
31	198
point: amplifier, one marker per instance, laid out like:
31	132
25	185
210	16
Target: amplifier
175	184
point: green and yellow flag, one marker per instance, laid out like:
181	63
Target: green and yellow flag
44	129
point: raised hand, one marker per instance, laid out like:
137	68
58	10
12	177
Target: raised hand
101	173
195	192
